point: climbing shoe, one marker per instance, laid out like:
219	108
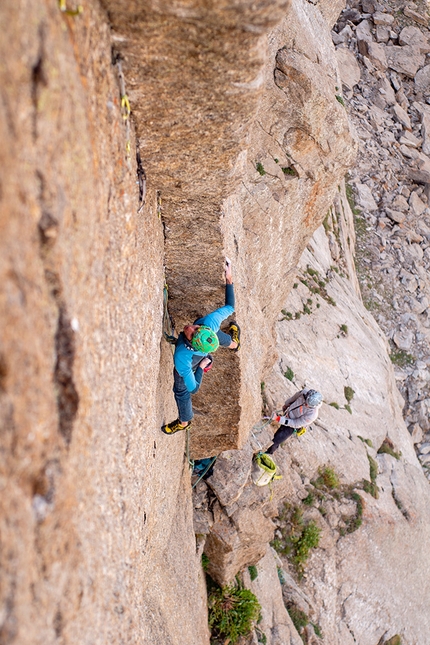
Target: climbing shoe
234	331
175	426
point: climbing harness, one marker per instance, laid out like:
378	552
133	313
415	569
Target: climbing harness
299	431
70	12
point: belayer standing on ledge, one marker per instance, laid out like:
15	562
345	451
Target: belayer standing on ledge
300	411
192	357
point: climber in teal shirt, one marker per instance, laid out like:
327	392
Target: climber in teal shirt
192	354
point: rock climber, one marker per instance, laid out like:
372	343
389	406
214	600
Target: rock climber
300	411
192	354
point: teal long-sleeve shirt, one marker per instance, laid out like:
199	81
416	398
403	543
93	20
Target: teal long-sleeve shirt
184	352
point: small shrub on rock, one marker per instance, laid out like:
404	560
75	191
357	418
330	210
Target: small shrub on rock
402	358
205	562
366	441
387	448
373	468
260	168
232	612
349	393
289	374
298	617
327	478
394	640
309	539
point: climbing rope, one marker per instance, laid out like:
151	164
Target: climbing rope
187	449
265	421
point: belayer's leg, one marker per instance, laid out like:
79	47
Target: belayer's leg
280	436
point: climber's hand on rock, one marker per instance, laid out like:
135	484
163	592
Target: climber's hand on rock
228	272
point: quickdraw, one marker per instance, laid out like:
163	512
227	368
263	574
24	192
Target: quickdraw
70	12
125	108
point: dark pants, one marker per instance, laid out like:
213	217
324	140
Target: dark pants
182	395
280	436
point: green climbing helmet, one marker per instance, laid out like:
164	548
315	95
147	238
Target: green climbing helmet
205	340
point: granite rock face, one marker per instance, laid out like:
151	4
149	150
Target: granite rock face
97	535
239	120
241	100
350	589
95	547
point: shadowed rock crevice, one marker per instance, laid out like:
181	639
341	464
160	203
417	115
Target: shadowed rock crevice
3	373
67	395
38	78
64	340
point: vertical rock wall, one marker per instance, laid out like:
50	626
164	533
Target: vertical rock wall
237	98
96	536
349	591
242	141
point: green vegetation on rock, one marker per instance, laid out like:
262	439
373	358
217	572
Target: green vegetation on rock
205	562
298	617
289	374
233	611
394	640
328	478
371	486
387	448
349	393
298	537
289	170
366	441
401	358
301	620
